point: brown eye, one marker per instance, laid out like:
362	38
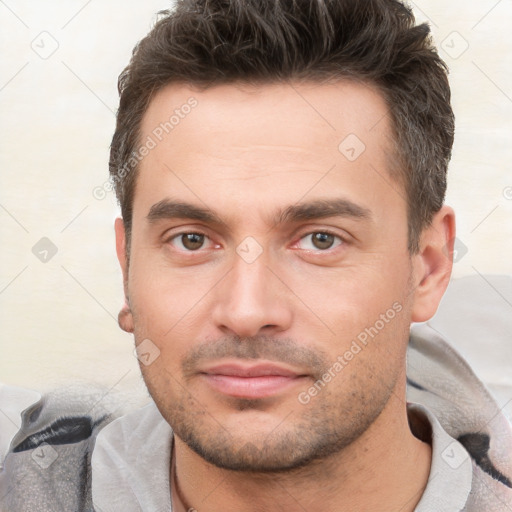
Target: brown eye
319	241
322	240
192	241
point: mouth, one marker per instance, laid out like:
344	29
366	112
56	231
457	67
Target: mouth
251	381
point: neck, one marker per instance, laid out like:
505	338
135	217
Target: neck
385	469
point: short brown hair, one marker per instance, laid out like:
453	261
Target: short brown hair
209	42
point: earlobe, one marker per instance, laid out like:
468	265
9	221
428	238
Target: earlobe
125	317
433	264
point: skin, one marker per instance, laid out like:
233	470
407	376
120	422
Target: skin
246	155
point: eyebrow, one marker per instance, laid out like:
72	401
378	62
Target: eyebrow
168	209
318	209
323	208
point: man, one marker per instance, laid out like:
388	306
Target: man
281	171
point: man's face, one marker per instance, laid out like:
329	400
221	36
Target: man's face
269	253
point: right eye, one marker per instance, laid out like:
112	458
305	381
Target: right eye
189	242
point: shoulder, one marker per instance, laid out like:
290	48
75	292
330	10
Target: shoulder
442	381
131	462
46	442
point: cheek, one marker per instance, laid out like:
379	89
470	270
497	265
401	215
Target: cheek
162	386
165	299
367	314
366	360
160	350
350	297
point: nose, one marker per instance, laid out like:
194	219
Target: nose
250	300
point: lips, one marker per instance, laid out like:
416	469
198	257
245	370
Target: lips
259	370
250	381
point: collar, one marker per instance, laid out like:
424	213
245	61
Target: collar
131	464
451	470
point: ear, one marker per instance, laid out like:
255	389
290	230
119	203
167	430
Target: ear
433	264
125	317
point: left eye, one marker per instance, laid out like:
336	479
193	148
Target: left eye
319	241
189	241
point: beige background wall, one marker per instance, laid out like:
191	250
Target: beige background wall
60	62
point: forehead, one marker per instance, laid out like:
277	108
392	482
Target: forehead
291	111
272	142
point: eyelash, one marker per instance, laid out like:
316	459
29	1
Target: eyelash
342	240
